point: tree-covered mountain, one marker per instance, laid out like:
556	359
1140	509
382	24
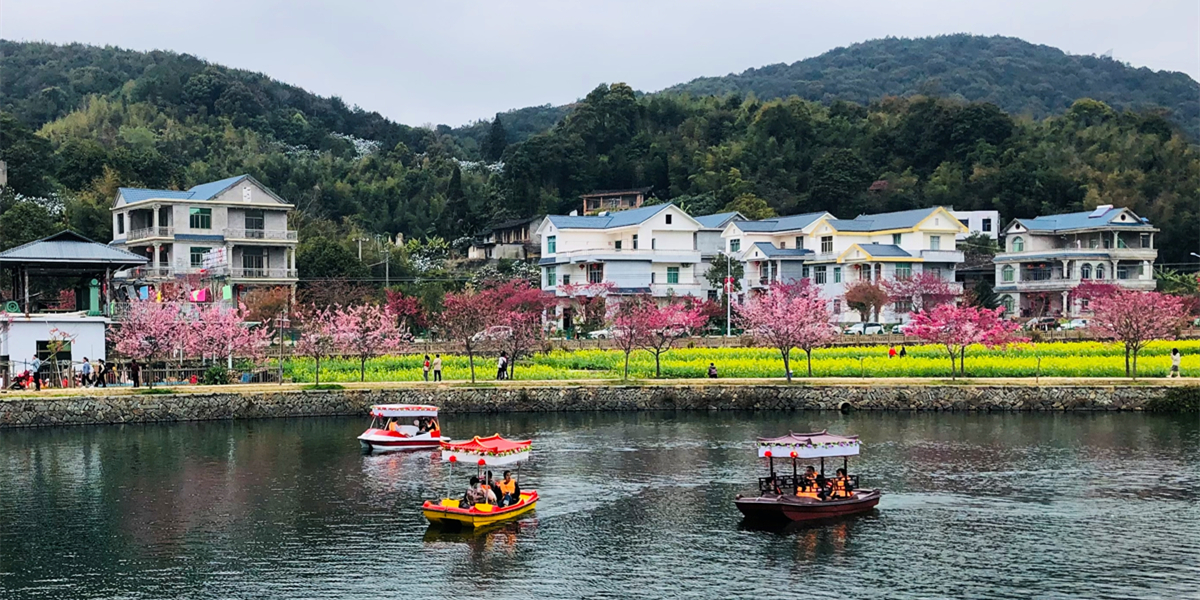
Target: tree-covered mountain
78	121
1021	78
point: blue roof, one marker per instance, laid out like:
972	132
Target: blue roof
1081	220
904	219
204	191
550	260
788	223
884	250
622	218
718	220
770	251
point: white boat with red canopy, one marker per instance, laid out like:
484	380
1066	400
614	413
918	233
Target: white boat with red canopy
402	427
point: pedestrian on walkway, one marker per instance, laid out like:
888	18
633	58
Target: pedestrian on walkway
437	367
425	368
85	373
102	374
502	366
35	366
135	372
1176	358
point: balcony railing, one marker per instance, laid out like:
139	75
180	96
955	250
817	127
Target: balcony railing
949	256
263	273
149	232
280	235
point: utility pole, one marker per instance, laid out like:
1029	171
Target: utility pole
728	298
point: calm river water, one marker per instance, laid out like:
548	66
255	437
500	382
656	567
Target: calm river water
634	505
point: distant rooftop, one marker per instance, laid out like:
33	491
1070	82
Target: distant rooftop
641	190
770	251
622	218
69	249
203	191
788	223
718	220
904	219
1102	216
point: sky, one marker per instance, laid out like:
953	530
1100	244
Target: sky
456	61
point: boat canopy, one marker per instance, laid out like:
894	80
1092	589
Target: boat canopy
403	410
819	444
492	450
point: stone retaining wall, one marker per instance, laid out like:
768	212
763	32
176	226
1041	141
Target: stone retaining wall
295	403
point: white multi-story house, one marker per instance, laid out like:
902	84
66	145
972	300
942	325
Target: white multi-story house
1046	257
986	222
833	253
175	229
649	250
711	245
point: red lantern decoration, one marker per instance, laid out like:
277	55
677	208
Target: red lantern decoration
482	462
453	458
767	454
793	454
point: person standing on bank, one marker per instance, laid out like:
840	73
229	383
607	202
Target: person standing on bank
102	374
85	373
34	366
1176	358
502	366
425	368
437	367
135	372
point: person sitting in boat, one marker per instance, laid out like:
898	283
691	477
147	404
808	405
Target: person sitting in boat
808	481
392	425
842	486
510	492
475	494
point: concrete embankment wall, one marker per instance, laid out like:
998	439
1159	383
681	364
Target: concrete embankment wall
81	410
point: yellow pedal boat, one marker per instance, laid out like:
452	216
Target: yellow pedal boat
448	511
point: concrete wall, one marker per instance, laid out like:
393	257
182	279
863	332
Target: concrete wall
542	398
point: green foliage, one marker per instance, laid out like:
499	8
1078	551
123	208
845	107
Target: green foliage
321	257
752	207
983	296
324	386
723	267
25	222
156	391
217	375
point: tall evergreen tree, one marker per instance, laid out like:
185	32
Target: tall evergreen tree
497	140
455	219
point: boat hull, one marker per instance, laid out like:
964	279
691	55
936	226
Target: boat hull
453	516
380	440
789	509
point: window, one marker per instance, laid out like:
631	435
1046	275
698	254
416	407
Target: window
551	276
653	243
805	273
595	273
799	242
783	245
254	262
200	218
653	278
1093	243
1107	242
197	256
635	241
896	237
668	219
551	244
617	245
120	223
47	354
1085	272
903	306
255	219
1122	272
712	295
673	275
1006	274
935	242
837	274
819	275
1121	242
837	308
1145	240
1018	244
566	279
1007	303
935	271
735	245
903	270
987	225
826	244
1099	271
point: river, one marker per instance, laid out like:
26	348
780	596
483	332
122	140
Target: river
635	505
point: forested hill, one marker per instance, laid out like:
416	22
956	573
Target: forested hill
1019	77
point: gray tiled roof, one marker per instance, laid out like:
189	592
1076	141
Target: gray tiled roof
718	220
622	218
884	250
204	191
70	247
788	223
771	251
883	221
1080	220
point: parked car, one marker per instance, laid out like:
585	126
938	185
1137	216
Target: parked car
1042	324
864	329
1075	324
601	334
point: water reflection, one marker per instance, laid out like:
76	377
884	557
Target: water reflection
989	506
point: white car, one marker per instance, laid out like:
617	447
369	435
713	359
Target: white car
601	334
1075	324
864	329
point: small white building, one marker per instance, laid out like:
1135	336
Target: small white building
986	222
22	336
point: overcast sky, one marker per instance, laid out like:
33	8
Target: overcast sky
446	61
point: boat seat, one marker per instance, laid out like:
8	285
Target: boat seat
449	503
484	507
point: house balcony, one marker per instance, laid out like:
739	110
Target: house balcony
662	290
261	235
606	254
266	273
147	233
1061	254
942	256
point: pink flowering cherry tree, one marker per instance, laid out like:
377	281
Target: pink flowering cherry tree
464	317
219	330
151	331
318	336
665	325
957	327
520	309
924	290
1137	318
789	316
630	318
367	330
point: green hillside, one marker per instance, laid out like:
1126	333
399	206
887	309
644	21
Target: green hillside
1019	77
78	121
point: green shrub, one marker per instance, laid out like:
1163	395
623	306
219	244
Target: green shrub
217	375
156	391
325	386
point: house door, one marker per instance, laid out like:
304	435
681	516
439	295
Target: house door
254	262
